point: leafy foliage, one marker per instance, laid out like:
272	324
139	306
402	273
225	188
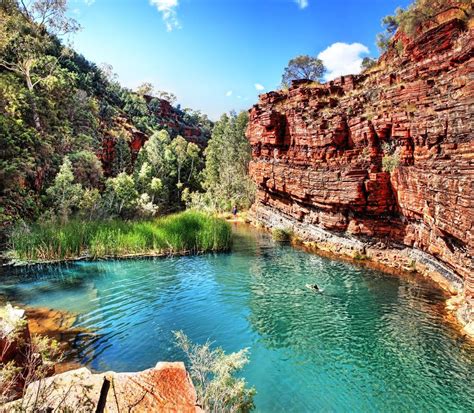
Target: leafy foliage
226	181
303	67
409	20
368	63
64	195
391	157
213	374
282	234
38	354
166	167
121	194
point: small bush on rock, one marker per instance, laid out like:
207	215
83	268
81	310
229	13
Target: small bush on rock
391	157
282	234
213	374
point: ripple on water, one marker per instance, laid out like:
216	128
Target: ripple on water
370	342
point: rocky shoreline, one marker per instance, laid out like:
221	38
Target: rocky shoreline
64	385
393	258
379	164
163	388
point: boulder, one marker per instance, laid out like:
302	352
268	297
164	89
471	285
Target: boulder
164	388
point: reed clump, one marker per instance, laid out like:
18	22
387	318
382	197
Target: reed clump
185	232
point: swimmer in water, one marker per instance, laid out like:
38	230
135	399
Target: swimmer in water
313	287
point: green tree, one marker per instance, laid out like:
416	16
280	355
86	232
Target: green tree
64	194
90	204
145	88
122	161
148	184
368	63
198	119
155	160
228	154
136	108
390	23
24	41
186	155
50	15
303	67
87	168
121	194
170	165
155	188
168	96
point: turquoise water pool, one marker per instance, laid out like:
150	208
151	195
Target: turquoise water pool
370	342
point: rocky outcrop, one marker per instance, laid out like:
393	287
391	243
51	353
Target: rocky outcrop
22	343
167	117
15	340
379	165
164	388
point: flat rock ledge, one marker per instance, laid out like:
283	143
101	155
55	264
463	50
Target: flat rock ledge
164	388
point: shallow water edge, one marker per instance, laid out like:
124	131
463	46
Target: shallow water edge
387	257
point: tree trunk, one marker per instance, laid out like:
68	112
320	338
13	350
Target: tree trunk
36	118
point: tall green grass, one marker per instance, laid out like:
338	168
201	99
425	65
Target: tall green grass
185	232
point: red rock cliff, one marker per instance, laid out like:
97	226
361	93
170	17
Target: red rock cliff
319	154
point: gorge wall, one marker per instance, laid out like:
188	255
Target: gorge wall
379	165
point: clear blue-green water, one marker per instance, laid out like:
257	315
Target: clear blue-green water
370	343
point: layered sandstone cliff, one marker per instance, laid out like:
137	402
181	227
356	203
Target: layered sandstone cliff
379	165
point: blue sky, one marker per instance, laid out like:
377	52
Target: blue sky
218	55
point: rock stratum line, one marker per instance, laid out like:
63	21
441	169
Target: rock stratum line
320	154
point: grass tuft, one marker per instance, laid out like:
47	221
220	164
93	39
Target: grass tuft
185	232
282	234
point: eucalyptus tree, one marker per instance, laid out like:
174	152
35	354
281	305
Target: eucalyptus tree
303	67
25	41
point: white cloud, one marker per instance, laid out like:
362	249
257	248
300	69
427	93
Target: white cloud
167	8
342	59
258	86
89	2
229	93
302	4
